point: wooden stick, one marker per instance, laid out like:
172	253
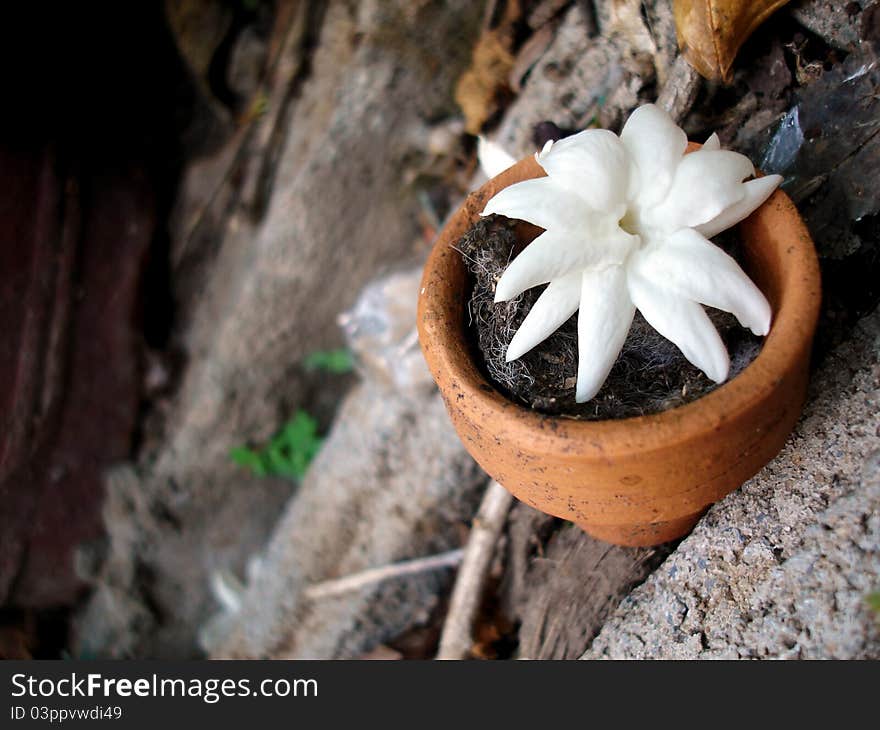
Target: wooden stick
680	90
457	638
356	581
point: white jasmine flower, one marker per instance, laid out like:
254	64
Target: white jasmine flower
626	224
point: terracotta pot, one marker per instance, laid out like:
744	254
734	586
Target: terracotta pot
633	481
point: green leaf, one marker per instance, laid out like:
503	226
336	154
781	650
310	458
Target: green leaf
243	456
873	601
330	361
288	453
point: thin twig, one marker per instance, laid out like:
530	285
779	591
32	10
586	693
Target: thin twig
356	581
457	639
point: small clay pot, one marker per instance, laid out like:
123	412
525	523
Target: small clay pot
643	480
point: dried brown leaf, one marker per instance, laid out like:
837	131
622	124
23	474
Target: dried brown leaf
484	87
481	87
710	32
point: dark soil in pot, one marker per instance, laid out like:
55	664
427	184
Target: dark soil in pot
650	375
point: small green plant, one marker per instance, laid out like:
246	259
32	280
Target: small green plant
288	453
330	361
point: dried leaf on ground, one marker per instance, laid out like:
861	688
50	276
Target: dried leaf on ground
710	32
482	88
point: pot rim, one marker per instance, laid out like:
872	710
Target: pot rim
445	346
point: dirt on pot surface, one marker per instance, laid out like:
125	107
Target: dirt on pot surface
650	375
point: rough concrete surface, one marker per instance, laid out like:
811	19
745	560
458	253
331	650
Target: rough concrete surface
392	482
781	567
341	208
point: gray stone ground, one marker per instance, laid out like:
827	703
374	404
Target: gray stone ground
831	21
582	76
392	482
342	208
781	567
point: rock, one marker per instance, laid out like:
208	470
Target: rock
581	79
837	23
781	567
381	331
338	209
827	148
564	86
164	549
391	482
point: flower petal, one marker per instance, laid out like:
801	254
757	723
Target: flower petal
756	192
558	252
688	265
558	302
542	202
606	314
683	322
713	143
592	164
494	159
655	145
705	183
